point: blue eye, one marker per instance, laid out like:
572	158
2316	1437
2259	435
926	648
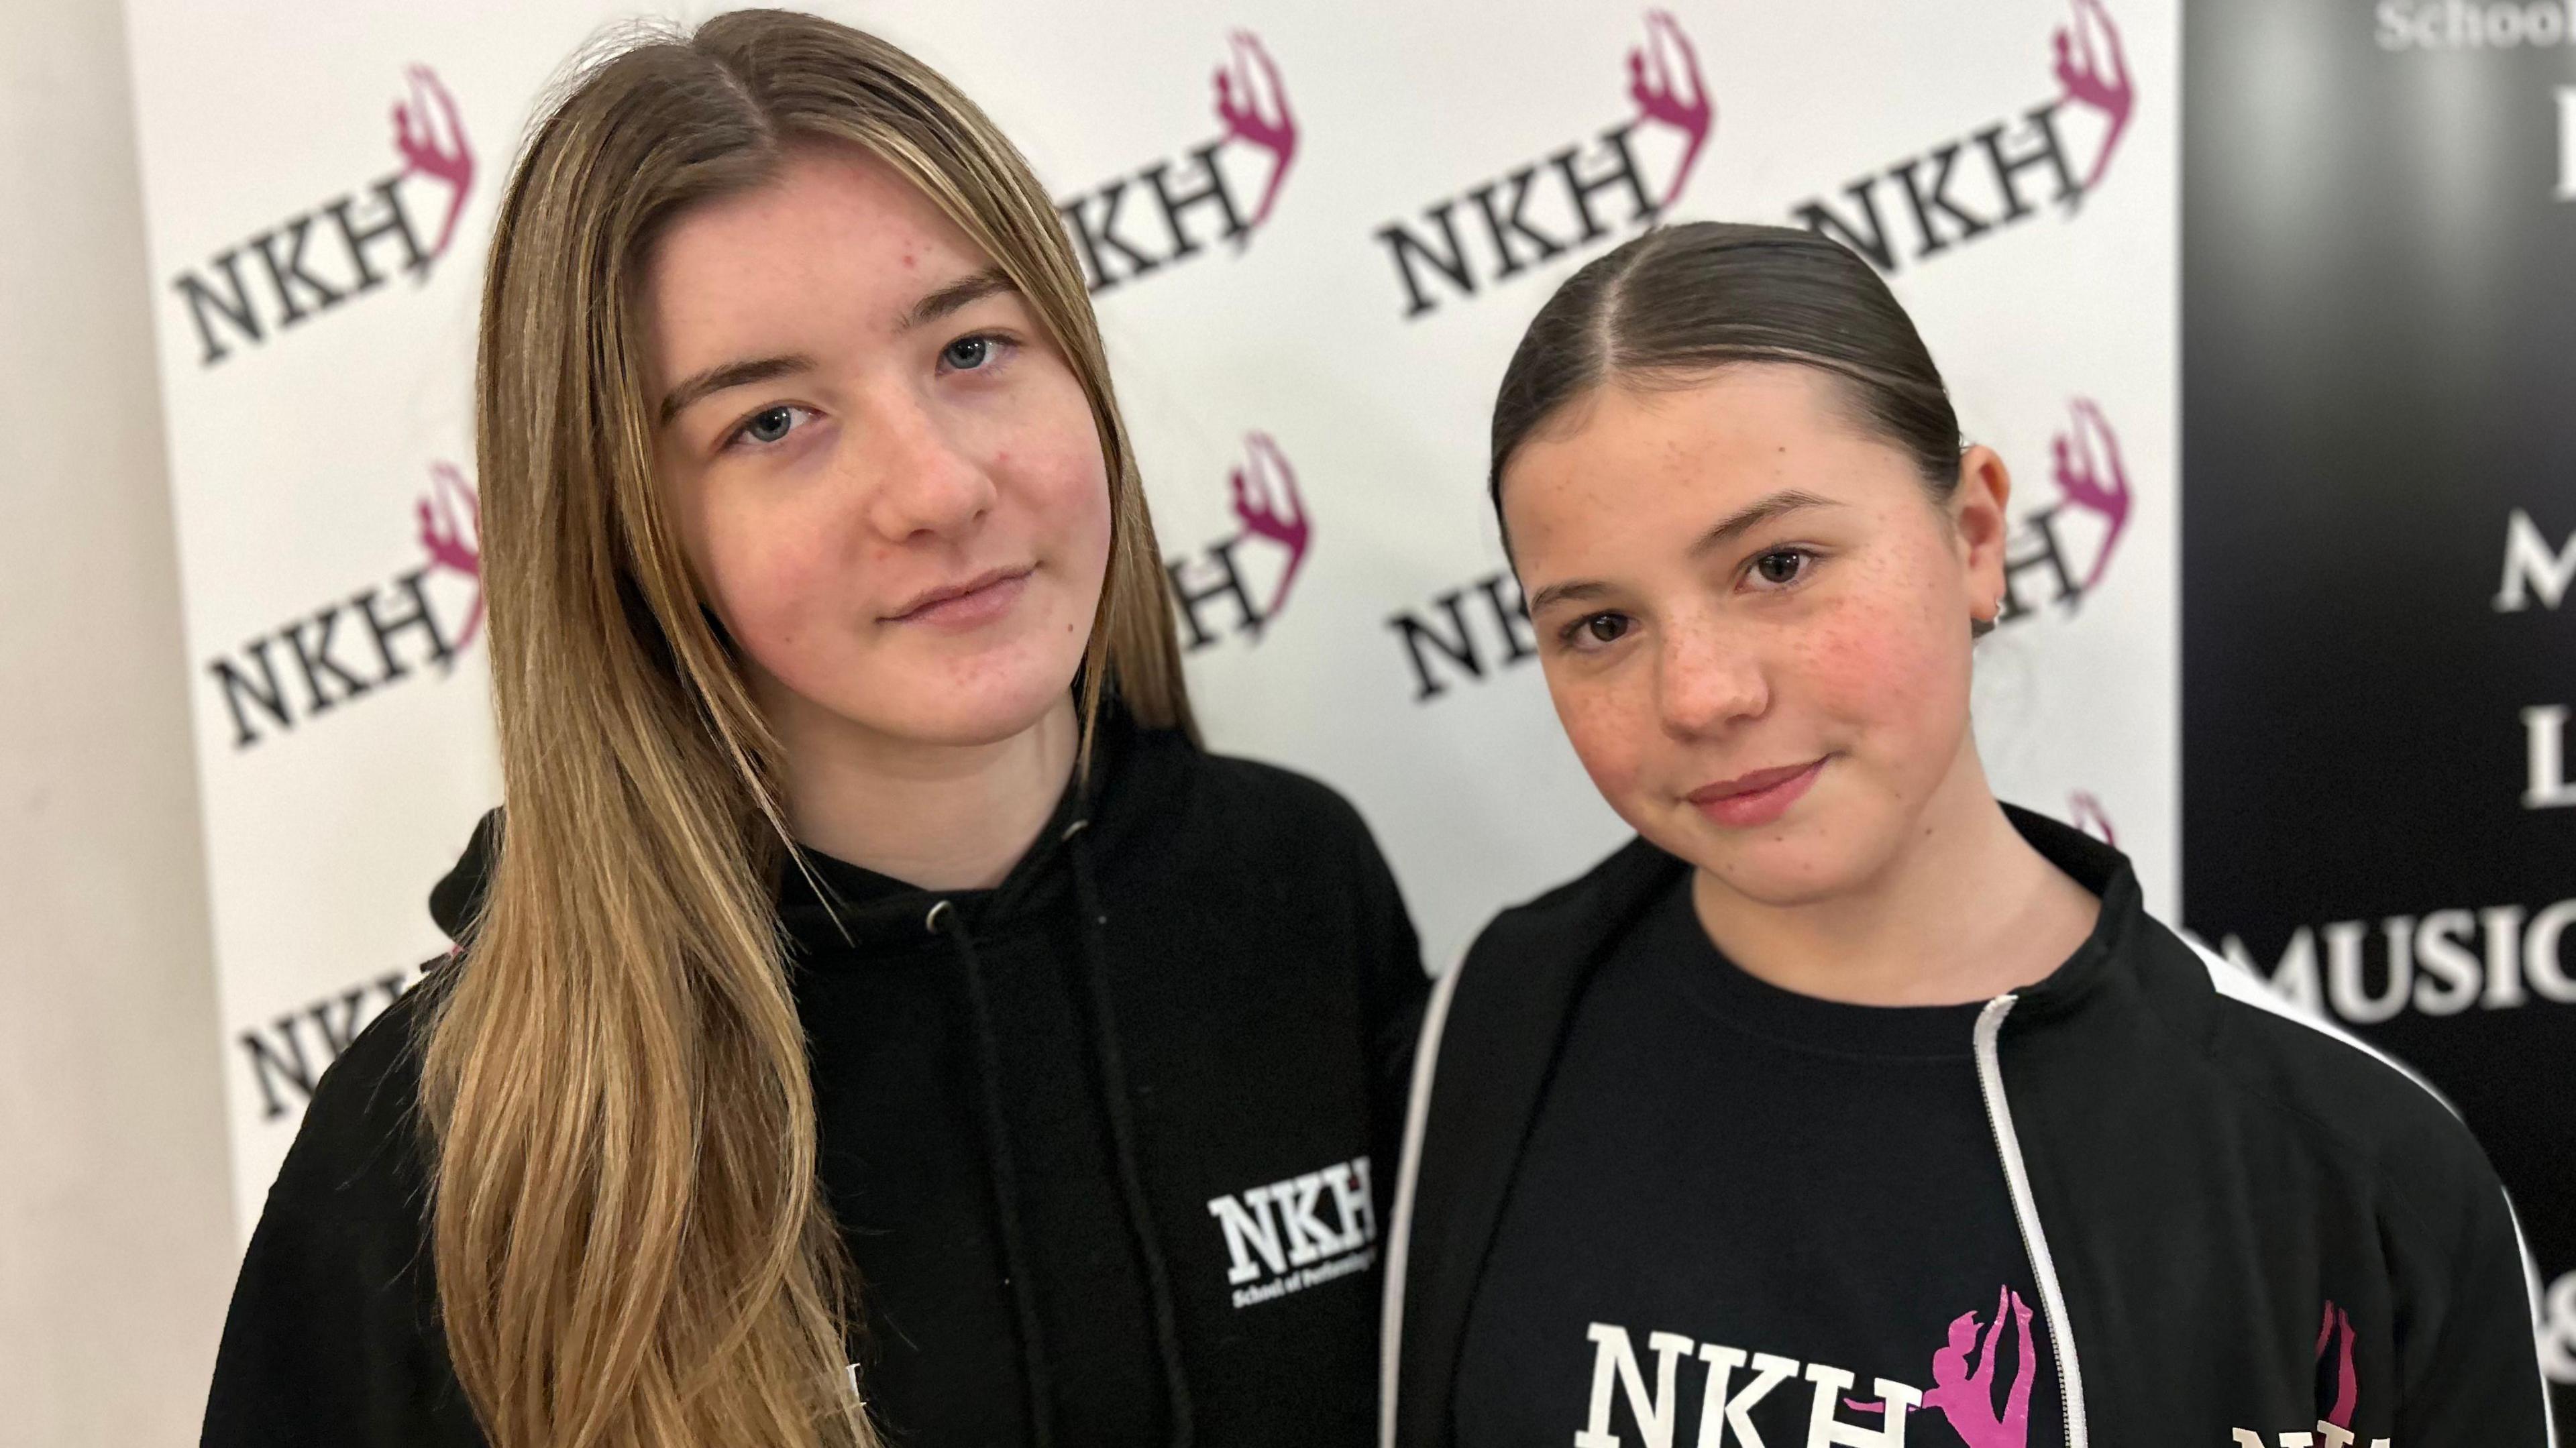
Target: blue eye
770	425
967	353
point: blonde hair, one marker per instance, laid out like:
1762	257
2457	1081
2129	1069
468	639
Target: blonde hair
630	1245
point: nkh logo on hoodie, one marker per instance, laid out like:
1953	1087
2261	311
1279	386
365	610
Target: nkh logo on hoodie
1291	1235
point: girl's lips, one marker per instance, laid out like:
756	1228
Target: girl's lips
1755	799
975	607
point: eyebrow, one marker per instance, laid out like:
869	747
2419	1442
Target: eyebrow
1743	521
732	374
1735	525
959	294
944	301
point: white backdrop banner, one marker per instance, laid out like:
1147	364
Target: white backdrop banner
1314	231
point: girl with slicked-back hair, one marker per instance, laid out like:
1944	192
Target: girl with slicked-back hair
1845	1104
870	998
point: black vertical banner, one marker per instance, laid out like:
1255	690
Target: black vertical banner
2379	546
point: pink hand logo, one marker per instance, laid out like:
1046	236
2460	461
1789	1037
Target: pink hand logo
2097	78
1242	83
2085	813
2090	475
1654	70
1266	499
434	145
2347	1385
451	532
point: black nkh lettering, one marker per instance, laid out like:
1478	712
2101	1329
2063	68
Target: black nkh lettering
1449	260
2036	548
1210	191
257	701
1558	184
1925	181
285	1074
1440	657
227	313
1228	584
394	223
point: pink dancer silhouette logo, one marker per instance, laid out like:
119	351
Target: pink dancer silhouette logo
2338	1387
2093	70
2085	812
451	532
2337	1329
2086	463
1248	76
1267	500
1967	1398
1656	72
429	134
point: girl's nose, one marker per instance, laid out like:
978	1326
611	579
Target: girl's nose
915	480
1706	681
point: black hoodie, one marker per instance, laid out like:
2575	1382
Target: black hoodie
2192	1169
1102	1141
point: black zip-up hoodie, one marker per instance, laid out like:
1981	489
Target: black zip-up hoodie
2192	1166
1101	1141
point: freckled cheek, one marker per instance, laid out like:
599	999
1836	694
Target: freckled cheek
1610	726
1878	674
1839	664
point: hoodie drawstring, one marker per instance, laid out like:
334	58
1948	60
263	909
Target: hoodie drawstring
1122	1135
943	921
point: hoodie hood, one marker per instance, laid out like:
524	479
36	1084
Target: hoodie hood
835	912
457	898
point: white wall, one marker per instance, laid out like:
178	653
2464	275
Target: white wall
116	1240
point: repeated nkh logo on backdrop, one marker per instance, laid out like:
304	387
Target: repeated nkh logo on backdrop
1669	93
1196	205
1313	232
398	621
230	311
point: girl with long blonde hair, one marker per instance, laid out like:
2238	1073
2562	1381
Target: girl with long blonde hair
874	1017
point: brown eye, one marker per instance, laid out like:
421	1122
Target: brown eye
1780	566
1605	628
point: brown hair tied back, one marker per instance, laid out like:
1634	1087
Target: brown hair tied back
1679	302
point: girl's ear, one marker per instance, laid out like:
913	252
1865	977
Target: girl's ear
1977	516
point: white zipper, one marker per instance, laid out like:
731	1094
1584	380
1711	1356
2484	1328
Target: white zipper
1399	1237
2034	1240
